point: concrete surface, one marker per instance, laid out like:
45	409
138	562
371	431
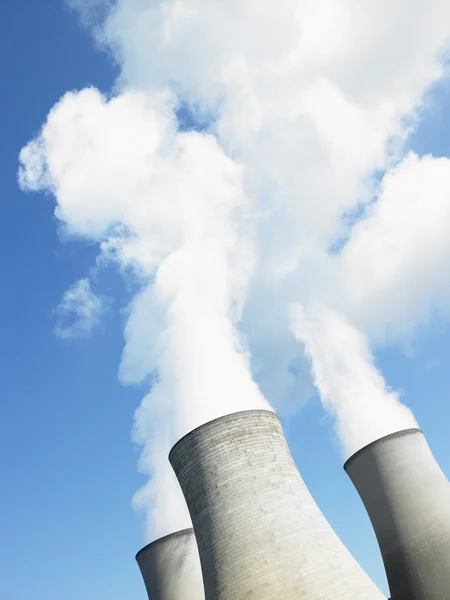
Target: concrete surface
407	497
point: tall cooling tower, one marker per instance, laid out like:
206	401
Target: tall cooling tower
260	534
171	569
407	497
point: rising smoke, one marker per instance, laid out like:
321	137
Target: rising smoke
306	104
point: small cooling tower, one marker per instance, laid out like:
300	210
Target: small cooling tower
407	497
171	569
260	534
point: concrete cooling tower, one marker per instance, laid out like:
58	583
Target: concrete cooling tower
259	532
407	497
171	568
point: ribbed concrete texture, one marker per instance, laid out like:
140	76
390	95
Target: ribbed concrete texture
171	568
407	497
260	534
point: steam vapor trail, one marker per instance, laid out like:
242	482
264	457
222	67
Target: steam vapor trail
230	229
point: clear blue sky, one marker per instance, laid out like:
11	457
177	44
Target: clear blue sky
68	465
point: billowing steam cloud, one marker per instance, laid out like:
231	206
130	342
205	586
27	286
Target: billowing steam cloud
171	206
299	194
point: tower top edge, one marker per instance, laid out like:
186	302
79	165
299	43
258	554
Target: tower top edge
170	536
389	436
235	416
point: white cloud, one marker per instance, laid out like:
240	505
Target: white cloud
394	268
229	229
79	312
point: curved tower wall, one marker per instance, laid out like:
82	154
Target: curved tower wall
170	567
259	532
407	497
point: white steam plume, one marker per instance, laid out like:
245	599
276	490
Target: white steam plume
307	106
350	387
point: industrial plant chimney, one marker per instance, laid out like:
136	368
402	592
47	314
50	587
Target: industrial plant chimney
407	497
171	569
260	534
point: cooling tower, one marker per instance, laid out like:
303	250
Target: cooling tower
259	532
407	497
171	569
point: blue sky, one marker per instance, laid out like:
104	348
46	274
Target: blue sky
67	460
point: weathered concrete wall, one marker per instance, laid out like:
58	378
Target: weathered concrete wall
260	534
407	497
171	568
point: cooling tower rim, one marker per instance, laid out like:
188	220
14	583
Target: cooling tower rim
164	538
389	436
229	416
